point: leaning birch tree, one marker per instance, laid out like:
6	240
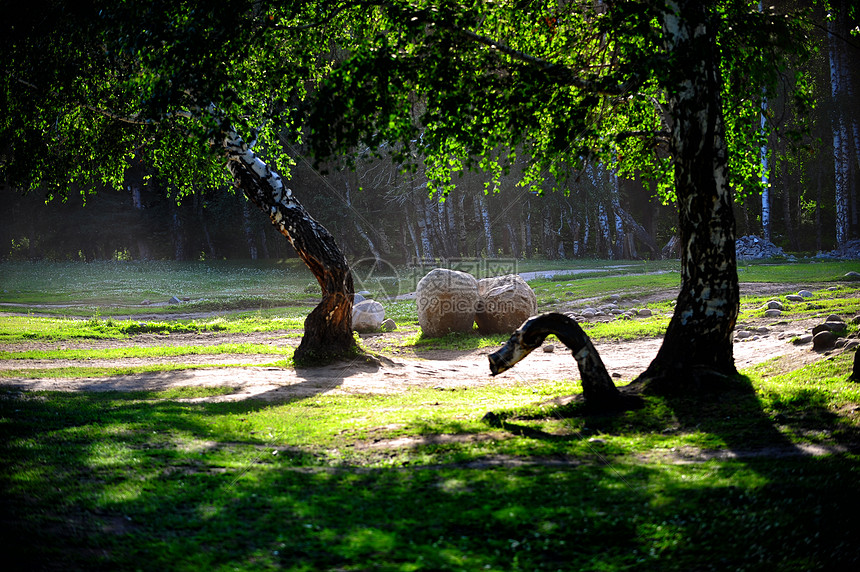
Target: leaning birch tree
199	92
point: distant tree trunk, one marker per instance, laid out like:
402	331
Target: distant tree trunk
485	221
604	237
528	230
618	251
328	328
178	233
765	183
786	214
840	133
640	233
462	235
424	229
249	231
512	240
143	252
586	229
360	229
818	212
548	234
416	245
697	347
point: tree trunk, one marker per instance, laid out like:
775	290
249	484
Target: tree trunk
598	390
249	231
328	328
360	229
698	340
840	135
640	233
603	238
618	251
765	183
462	235
528	231
488	227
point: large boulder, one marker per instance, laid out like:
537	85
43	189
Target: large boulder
505	303
367	316
446	301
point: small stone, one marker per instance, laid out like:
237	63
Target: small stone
146	303
614	297
356	298
548	348
852	275
838	327
742	334
823	340
804	339
794	298
174	300
597	441
389	325
805	294
834	318
820	328
635	302
644	312
772	313
616	375
851	344
855	320
588	314
773	305
763	330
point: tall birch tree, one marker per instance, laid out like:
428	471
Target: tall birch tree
639	85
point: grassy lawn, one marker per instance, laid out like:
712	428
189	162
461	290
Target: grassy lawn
423	479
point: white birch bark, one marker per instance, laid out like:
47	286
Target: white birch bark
840	132
616	209
765	183
488	227
603	224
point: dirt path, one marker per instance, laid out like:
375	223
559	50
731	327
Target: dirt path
402	368
440	369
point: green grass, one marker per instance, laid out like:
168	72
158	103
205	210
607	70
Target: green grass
420	480
142	480
72	372
145	352
23	328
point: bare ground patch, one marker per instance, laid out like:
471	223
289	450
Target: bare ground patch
401	369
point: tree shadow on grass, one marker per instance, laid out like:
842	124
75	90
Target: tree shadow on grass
125	481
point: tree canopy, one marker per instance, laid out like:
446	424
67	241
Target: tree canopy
669	90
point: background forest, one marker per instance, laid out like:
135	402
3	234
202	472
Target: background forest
378	210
